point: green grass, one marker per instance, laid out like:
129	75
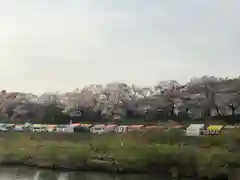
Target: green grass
153	151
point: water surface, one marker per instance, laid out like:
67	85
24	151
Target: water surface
17	173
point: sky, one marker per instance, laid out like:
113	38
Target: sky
59	45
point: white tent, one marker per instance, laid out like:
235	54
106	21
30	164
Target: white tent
194	129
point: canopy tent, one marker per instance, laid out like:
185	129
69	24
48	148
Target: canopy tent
194	129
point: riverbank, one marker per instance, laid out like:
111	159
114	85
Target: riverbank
148	152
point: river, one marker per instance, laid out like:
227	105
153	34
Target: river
19	173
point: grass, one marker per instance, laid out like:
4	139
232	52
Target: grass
153	151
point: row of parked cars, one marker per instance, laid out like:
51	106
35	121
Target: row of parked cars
69	128
32	127
77	127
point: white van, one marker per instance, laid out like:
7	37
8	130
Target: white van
38	128
98	129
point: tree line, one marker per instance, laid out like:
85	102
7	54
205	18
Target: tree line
200	98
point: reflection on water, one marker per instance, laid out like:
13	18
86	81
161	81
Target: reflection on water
35	174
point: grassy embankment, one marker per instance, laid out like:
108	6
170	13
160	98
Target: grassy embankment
142	152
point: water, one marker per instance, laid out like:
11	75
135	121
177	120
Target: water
37	174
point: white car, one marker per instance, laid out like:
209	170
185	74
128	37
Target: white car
3	129
19	128
39	129
98	129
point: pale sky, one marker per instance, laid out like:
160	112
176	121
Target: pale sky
50	45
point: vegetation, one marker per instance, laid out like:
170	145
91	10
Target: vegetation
200	98
154	152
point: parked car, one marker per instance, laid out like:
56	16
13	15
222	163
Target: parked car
98	129
39	129
19	128
81	129
122	129
51	128
65	128
3	129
